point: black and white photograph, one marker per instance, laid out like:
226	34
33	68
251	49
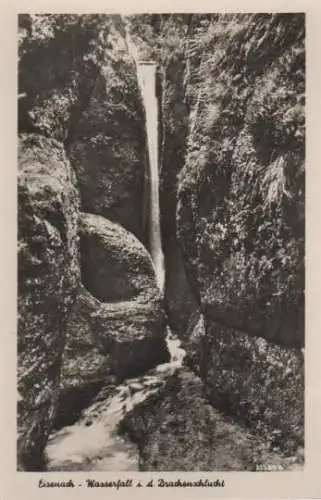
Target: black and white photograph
161	242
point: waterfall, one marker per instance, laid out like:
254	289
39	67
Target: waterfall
146	72
146	75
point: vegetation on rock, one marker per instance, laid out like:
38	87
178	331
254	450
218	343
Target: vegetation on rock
242	186
233	141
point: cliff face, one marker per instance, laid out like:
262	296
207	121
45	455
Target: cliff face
241	195
80	87
233	149
108	148
90	312
47	284
242	187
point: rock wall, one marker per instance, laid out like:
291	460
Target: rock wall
241	196
90	313
259	382
48	206
180	299
78	85
232	91
108	148
241	193
233	149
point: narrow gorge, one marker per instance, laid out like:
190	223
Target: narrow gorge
161	242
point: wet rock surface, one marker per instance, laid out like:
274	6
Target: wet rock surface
162	421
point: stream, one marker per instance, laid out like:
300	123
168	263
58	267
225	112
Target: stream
93	442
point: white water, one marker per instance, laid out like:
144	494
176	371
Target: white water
93	442
146	73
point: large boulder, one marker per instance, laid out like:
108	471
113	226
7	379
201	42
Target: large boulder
78	84
117	328
47	284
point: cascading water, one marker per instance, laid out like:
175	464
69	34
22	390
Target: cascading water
146	73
